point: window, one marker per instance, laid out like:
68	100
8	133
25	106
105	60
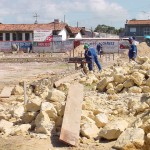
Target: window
19	36
7	36
132	29
1	36
27	36
147	31
14	37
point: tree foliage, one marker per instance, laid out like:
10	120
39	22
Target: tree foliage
108	29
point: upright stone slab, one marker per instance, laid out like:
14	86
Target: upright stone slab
72	115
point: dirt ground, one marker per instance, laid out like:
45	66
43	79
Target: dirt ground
12	73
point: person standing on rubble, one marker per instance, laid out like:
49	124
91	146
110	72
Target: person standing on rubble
91	57
99	48
132	49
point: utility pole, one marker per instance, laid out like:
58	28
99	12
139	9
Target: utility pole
77	24
36	16
92	32
64	18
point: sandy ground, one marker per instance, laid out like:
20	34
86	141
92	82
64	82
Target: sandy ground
12	73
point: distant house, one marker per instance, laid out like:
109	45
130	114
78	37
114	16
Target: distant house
137	28
24	32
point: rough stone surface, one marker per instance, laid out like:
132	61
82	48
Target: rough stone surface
56	96
113	129
132	138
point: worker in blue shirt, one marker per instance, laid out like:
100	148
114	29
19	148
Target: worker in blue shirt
91	57
88	57
132	49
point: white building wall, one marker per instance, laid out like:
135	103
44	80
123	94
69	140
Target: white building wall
23	36
78	36
63	33
4	36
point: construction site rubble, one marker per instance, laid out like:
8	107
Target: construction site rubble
115	106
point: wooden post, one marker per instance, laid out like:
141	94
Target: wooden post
25	93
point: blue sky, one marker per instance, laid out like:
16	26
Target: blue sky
88	13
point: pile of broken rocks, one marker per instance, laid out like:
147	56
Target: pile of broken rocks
115	107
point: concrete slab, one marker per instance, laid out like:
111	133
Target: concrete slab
71	121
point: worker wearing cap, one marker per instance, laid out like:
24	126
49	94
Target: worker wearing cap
132	49
88	57
91	57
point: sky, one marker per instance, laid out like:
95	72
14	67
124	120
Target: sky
84	13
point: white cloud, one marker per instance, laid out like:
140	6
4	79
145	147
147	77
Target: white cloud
98	11
143	15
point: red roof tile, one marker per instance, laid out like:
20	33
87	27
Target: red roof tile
74	30
138	22
31	27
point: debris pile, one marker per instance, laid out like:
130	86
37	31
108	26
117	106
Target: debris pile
115	107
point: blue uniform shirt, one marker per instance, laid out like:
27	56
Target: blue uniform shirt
132	51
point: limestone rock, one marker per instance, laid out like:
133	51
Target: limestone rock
18	90
89	130
5	116
142	60
128	83
145	89
33	104
135	89
145	66
102	84
49	109
60	107
131	138
109	86
43	123
111	91
119	87
85	119
21	130
119	78
64	86
148	82
20	98
113	129
101	120
28	117
137	78
6	127
18	111
56	96
82	80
